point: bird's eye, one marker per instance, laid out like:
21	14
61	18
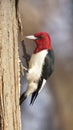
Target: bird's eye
40	37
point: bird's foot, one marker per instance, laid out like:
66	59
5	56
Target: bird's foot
22	69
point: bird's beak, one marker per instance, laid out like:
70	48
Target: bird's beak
31	37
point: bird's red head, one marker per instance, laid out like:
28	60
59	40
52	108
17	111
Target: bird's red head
42	40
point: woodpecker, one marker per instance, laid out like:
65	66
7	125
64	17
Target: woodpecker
41	65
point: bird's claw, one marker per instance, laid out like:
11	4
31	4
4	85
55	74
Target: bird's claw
23	69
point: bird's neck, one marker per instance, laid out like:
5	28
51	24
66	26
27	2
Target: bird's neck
41	47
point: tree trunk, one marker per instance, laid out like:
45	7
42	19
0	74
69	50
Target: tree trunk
9	67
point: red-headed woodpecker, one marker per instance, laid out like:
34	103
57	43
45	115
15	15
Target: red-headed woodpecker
41	65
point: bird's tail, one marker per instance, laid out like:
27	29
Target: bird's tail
23	97
33	98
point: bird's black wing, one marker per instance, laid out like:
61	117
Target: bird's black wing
48	65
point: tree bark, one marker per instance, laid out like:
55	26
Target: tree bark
9	67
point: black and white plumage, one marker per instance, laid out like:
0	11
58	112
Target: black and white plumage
40	66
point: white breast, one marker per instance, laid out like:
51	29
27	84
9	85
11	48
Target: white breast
35	65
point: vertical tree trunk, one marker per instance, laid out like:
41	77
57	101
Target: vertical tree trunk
9	67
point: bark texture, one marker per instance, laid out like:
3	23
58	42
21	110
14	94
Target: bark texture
9	67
